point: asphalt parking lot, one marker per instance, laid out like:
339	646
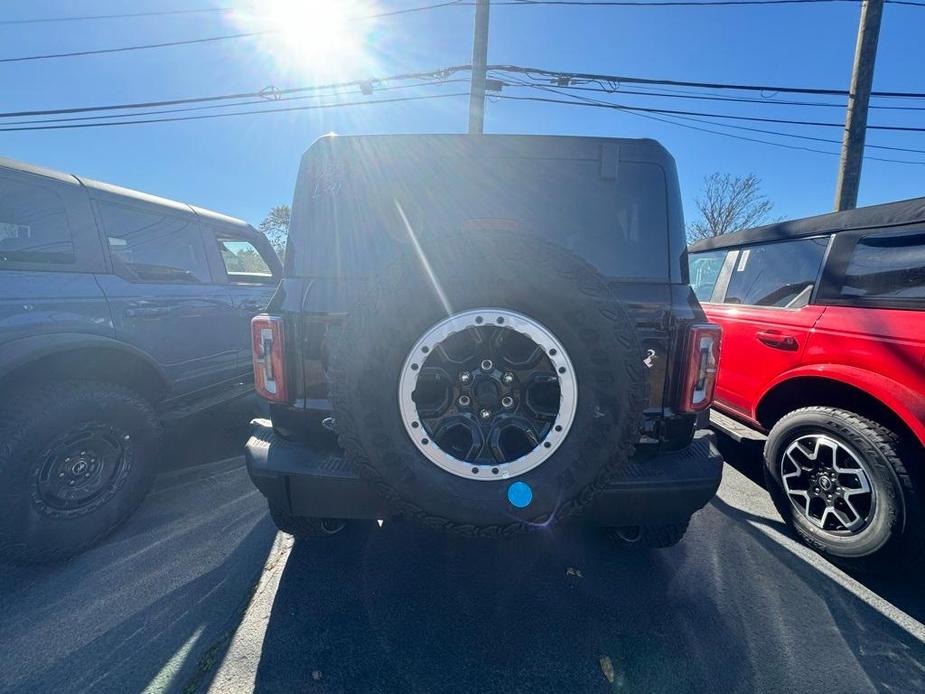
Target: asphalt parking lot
197	592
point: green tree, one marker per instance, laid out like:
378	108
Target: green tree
275	226
729	203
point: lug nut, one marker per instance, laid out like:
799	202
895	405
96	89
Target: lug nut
464	401
487	365
507	401
507	378
484	414
465	377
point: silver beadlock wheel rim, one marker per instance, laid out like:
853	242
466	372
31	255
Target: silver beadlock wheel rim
828	484
476	319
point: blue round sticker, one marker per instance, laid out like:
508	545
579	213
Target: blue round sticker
520	494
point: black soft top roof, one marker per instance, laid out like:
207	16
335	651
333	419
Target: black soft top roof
875	216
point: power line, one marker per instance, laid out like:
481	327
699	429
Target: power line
700	85
234	113
675	3
781	121
124	15
739	127
141	47
232	104
391	13
693	3
511	3
208	39
708	130
267	94
677	94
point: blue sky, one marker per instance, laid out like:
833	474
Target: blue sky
242	166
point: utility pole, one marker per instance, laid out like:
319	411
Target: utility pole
862	77
479	62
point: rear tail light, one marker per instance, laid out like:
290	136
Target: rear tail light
269	371
703	348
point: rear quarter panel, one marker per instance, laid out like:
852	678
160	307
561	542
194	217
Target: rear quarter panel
881	351
33	303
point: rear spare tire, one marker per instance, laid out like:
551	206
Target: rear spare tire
488	385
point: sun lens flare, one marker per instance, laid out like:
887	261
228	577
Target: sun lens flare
328	38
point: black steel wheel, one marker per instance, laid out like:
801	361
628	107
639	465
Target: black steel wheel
82	469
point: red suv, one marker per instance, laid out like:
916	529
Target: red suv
824	351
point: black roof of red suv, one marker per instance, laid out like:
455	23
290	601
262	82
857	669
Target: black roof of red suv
872	217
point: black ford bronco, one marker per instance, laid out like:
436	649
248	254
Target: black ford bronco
487	334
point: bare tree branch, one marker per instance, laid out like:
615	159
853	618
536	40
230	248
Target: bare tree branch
729	203
275	226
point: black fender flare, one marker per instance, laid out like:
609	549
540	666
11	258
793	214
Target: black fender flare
21	352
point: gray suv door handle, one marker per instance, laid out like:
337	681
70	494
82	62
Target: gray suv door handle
147	312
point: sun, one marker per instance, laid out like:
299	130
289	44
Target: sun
318	37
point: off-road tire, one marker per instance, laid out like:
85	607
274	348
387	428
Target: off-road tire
506	271
30	421
649	536
896	534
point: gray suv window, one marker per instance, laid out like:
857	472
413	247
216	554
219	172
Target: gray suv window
778	274
33	224
153	246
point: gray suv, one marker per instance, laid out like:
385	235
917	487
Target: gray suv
117	309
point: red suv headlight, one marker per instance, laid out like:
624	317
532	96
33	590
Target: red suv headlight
703	349
267	343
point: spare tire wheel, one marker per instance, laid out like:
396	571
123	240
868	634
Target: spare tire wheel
488	385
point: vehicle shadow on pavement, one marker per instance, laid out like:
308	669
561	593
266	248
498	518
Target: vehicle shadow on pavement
746	456
138	610
407	609
815	625
730	609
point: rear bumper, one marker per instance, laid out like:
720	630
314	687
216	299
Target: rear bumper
315	480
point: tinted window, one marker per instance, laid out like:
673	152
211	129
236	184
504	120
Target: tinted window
776	274
33	224
350	212
887	265
242	258
704	271
153	246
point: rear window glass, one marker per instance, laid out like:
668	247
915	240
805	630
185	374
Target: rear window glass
704	271
241	258
887	266
780	274
33	224
352	225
